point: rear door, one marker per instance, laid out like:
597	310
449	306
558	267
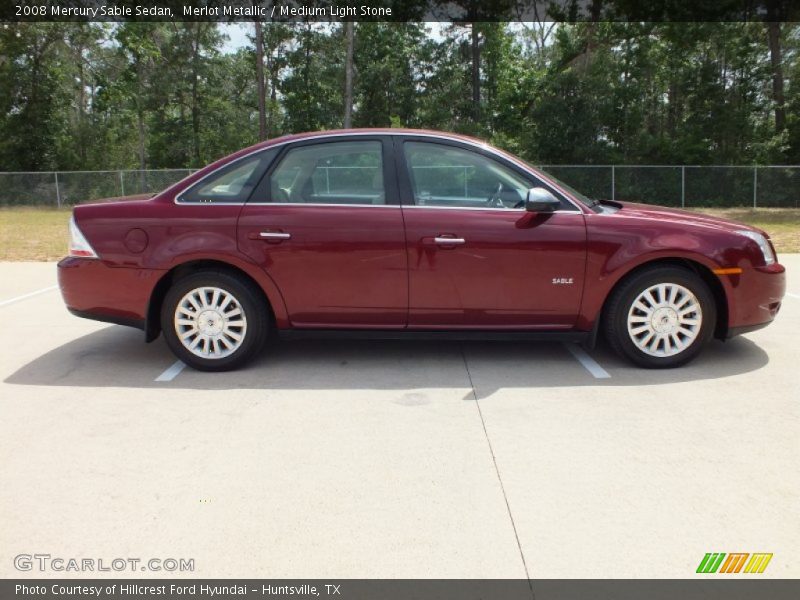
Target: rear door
477	259
325	224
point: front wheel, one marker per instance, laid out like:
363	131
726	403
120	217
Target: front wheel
214	321
660	317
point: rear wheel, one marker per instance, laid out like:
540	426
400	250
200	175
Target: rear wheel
214	321
660	317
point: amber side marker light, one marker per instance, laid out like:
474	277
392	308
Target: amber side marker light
730	271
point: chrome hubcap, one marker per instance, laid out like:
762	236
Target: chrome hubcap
210	322
664	319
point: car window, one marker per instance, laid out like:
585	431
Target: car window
443	175
330	173
231	184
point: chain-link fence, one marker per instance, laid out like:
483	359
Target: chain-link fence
67	188
687	186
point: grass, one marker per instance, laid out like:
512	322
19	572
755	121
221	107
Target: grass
40	234
36	234
782	224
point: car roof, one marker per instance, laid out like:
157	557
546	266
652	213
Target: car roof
294	137
365	130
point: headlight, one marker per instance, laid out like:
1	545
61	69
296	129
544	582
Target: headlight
763	243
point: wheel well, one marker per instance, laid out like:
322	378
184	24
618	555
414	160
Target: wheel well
153	322
713	283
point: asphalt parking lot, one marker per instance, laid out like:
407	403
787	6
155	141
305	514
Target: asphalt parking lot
393	459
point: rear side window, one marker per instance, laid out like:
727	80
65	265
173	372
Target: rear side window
232	184
330	173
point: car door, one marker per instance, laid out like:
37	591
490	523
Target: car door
476	258
326	225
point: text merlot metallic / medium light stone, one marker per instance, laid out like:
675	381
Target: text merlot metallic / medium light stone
286	12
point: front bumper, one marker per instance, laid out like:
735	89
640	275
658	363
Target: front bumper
94	290
755	298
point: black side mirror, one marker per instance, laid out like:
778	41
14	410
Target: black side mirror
540	200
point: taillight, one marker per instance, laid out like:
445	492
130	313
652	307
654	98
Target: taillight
78	246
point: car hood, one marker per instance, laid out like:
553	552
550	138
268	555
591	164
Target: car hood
676	215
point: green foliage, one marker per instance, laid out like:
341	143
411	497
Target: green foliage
33	96
130	95
390	59
312	88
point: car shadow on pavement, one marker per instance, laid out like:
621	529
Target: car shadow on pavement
117	357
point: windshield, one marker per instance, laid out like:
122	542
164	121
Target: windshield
589	202
582	197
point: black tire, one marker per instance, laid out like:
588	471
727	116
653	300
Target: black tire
615	318
252	303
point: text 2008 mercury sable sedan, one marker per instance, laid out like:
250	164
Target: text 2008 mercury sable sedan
394	233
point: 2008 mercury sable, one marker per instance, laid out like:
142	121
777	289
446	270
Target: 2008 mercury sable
396	233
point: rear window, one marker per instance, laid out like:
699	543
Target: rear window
232	184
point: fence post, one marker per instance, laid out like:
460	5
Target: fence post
755	187
613	183
683	186
121	184
58	192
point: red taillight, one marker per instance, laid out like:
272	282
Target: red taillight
78	246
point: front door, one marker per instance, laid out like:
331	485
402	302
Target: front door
326	225
476	258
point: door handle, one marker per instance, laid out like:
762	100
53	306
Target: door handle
272	237
449	241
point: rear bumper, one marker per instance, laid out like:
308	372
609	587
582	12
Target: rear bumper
755	298
91	289
127	321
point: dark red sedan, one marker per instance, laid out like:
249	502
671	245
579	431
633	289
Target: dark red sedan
397	233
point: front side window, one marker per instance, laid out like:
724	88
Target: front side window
330	173
447	176
231	184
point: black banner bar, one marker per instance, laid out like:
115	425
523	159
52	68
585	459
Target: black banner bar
399	10
715	587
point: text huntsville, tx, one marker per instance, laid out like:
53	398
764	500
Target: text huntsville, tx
281	12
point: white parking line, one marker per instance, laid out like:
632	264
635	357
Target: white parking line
172	372
587	361
36	293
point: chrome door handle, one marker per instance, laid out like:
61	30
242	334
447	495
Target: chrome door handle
274	235
450	240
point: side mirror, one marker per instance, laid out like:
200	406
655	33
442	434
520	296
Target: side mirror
540	200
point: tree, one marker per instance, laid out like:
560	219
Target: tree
773	25
389	59
184	88
153	95
313	89
262	110
139	46
33	95
348	74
